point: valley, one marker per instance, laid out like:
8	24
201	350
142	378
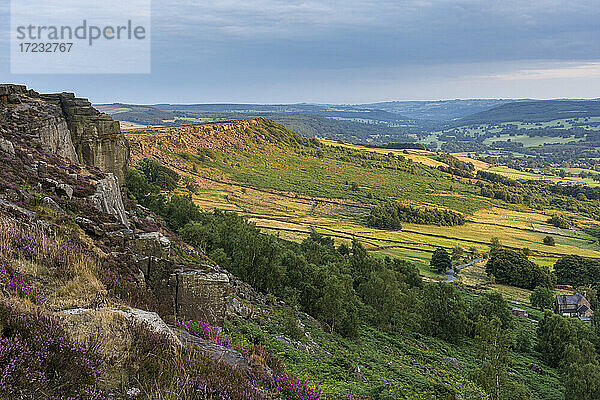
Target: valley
291	186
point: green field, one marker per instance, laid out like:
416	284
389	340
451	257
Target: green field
289	189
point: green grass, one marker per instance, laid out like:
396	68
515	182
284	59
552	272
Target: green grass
395	365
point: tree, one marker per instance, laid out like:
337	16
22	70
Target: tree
493	305
549	241
493	345
514	268
440	260
542	298
577	271
445	311
522	341
583	382
560	221
582	372
457	253
394	302
337	301
554	333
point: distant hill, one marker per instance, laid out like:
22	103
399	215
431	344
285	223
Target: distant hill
443	110
327	111
330	122
536	111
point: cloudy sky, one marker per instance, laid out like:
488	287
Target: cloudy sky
351	51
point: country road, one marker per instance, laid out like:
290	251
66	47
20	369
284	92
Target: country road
450	277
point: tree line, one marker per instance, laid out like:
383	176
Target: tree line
390	215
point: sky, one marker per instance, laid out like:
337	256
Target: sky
350	51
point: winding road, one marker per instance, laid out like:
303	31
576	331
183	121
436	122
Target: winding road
450	277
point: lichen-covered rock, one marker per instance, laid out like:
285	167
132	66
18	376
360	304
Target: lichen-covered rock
226	355
150	319
52	205
67	127
151	244
108	199
64	190
7	147
202	296
97	138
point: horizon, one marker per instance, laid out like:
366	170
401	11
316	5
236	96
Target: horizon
357	52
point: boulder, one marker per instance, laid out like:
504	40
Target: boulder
49	184
52	205
7	147
453	362
226	355
89	226
108	199
151	319
64	190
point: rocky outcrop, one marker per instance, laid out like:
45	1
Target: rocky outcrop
96	136
226	355
202	295
107	199
185	291
151	319
188	138
43	122
66	126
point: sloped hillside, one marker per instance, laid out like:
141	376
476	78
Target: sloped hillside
98	300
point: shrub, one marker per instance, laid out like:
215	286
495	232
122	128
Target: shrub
542	298
514	268
549	241
37	356
440	260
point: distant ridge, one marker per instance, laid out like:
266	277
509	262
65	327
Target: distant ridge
536	111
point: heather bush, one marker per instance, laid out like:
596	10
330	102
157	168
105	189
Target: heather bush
285	386
15	283
39	360
157	367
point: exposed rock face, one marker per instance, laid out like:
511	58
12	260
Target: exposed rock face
96	136
66	126
202	296
44	122
108	199
185	292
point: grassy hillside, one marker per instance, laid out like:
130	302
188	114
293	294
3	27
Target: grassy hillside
343	122
290	185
